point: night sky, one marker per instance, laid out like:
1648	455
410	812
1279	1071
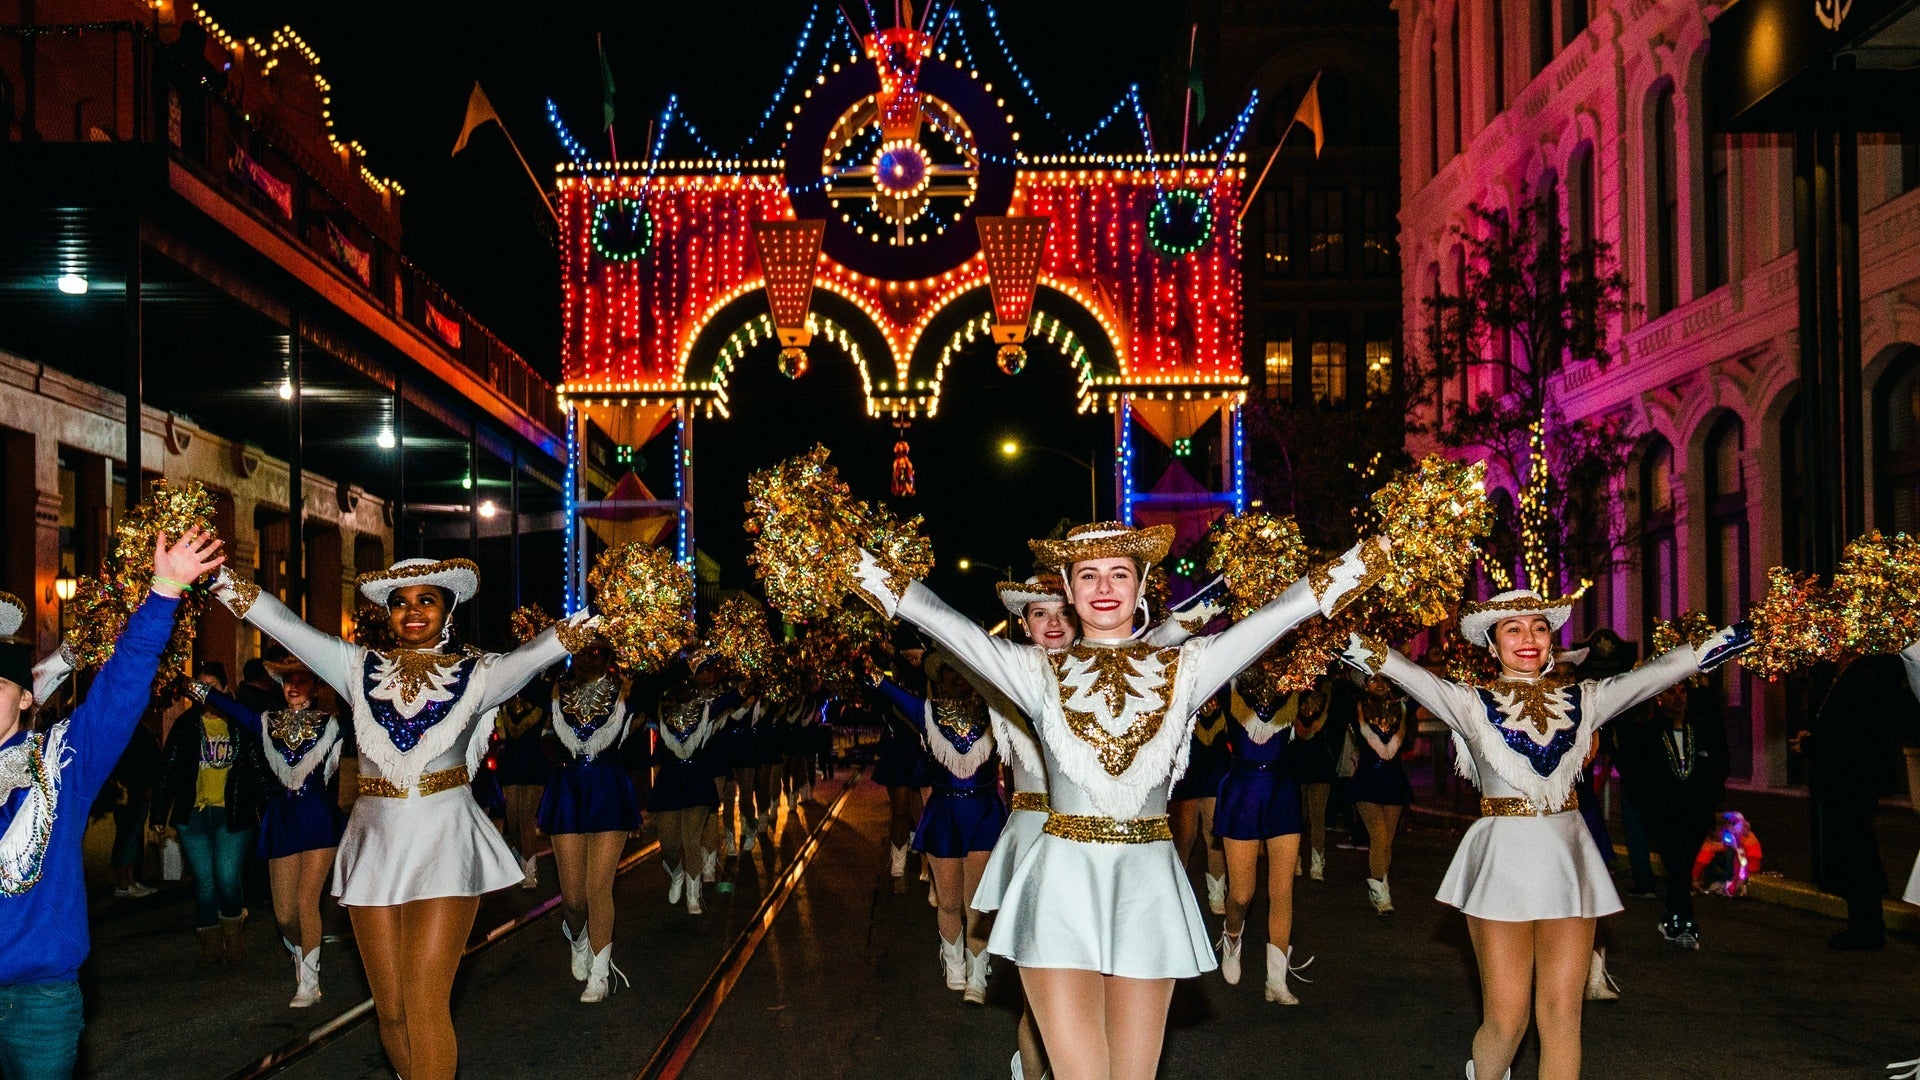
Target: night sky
401	74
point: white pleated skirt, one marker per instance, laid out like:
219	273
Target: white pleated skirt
1518	869
1022	829
420	848
1119	909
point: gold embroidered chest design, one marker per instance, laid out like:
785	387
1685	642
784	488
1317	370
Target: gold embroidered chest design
413	670
295	729
1540	702
1109	674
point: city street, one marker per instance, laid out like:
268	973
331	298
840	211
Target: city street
845	985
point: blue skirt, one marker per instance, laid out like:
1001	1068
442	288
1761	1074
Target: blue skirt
1257	804
959	820
521	762
589	797
295	821
1381	782
682	785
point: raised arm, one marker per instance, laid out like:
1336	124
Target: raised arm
1452	702
1608	698
912	706
507	673
229	706
1324	591
1008	667
329	657
51	673
1189	616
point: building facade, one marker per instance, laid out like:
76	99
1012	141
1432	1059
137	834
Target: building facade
1603	103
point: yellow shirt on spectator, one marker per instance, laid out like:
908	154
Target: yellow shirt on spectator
216	757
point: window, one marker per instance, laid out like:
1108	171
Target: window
1280	370
1664	295
1659	579
1433	110
1573	20
1277	245
1727	565
1896	427
1379	371
1330	372
1499	57
1713	209
1459	128
1327	232
1379	255
1539	35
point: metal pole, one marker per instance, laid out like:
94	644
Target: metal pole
1847	252
1814	555
135	375
1833	474
296	466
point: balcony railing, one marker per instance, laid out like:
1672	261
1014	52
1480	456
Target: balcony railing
117	83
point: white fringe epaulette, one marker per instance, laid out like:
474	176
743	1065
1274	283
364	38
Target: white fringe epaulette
23	847
1017	747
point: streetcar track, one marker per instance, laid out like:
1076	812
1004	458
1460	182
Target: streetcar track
279	1059
670	1058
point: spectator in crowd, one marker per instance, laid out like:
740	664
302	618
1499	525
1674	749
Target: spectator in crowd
1680	756
134	775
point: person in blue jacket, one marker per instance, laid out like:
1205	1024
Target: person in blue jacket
43	901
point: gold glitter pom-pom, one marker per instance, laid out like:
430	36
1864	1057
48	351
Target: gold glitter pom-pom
1795	625
841	654
1261	556
103	604
901	550
645	602
806	529
526	622
1876	592
1691	628
1434	518
740	637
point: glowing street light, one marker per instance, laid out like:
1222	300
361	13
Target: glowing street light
71	284
1011	448
385	439
487	509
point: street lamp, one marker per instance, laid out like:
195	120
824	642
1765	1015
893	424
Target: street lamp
1011	448
965	565
65	587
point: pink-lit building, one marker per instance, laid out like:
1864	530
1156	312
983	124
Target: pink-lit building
1604	103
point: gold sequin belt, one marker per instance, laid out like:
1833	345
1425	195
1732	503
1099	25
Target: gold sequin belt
1518	806
432	783
1100	830
1030	800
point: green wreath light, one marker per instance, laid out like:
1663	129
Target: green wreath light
643	229
1160	223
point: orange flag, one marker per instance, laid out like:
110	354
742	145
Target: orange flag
480	111
1308	115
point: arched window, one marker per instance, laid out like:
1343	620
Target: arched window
1713	206
1896	426
1659	554
1726	492
1665	193
1793	483
1453	43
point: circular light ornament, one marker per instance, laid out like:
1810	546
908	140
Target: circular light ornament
1180	223
1012	361
900	169
793	362
622	230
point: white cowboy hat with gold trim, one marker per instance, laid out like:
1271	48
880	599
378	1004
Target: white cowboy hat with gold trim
1478	620
1038	589
1105	540
459	577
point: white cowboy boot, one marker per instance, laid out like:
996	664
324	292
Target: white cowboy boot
1379	897
976	977
1316	866
1470	1075
582	953
1600	985
1018	1072
1230	958
709	865
600	976
693	896
1279	966
953	963
897	856
307	990
1217	894
676	884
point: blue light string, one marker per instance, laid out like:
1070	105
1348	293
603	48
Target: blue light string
1140	116
1227	141
568	143
966	47
1126	460
1084	143
699	141
568	602
681	463
1239	461
993	23
786	81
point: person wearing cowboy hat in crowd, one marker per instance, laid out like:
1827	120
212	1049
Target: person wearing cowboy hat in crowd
47	780
417	852
1099	916
301	826
1527	876
589	806
213	789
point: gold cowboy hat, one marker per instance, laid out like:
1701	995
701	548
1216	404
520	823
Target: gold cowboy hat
1105	540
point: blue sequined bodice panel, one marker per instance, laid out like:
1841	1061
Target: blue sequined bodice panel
1544	758
404	732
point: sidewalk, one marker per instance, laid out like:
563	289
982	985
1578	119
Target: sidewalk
1778	818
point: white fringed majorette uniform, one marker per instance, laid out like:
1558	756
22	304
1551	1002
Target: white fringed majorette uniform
421	720
1100	889
1522	743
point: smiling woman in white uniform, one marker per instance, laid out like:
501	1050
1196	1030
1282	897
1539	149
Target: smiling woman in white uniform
417	852
1527	876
